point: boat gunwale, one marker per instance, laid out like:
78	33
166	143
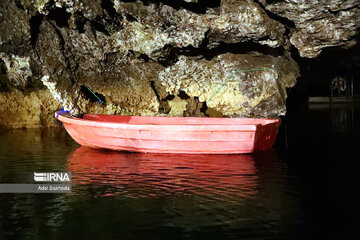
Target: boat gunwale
219	121
210	127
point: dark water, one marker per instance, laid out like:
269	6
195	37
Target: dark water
304	188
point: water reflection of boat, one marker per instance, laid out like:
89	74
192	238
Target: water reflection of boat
172	134
139	174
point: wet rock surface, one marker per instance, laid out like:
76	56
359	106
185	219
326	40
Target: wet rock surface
160	58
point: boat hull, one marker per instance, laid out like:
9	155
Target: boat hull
172	135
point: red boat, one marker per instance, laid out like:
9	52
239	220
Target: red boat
194	135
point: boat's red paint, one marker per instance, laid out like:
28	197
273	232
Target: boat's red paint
152	174
172	134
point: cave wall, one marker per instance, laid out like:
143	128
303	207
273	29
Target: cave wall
159	58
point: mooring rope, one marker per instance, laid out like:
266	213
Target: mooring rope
64	111
100	101
232	74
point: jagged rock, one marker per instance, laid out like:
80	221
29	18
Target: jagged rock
33	6
17	69
90	9
240	21
148	29
260	93
14	28
177	107
87	59
319	24
252	94
53	63
146	59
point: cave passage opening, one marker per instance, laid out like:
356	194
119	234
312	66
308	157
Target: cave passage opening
335	62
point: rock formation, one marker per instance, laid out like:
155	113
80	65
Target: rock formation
159	58
319	24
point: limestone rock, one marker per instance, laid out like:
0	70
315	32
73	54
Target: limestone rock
27	109
17	69
160	59
148	29
260	93
14	28
53	63
177	106
240	21
319	24
90	9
